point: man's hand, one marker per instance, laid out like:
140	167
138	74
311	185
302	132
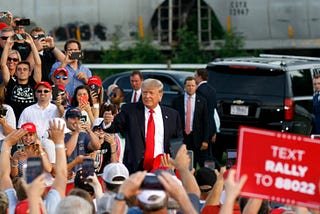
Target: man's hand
233	187
214	138
131	186
82	76
171	185
204	146
108	117
56	131
85	126
14	137
109	138
35	189
165	161
50	41
182	160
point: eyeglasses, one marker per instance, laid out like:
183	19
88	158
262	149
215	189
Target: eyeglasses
61	77
13	59
4	37
44	91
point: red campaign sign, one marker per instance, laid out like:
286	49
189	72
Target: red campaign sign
281	167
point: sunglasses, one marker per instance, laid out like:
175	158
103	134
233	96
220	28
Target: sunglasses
39	36
44	91
112	94
4	37
13	59
61	77
96	128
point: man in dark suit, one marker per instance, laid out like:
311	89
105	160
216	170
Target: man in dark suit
209	93
134	120
316	104
195	125
134	96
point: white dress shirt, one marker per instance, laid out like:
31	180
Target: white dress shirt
138	95
159	129
193	102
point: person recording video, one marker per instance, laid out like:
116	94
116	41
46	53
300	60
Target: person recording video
78	73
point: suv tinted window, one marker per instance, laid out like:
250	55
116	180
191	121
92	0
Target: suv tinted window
301	82
167	83
124	83
251	81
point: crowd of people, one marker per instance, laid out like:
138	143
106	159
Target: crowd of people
54	111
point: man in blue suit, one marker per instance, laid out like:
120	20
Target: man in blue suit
133	122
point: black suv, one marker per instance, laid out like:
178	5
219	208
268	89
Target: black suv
270	91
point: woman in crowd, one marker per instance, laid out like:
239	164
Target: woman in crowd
30	146
96	93
9	60
83	101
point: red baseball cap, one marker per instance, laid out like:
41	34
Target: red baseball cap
58	70
23	207
95	80
46	84
3	25
30	127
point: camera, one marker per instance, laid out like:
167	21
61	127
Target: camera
231	158
23	22
19	36
87	167
94	88
151	181
76	55
3	112
34	169
83	118
20	147
55	92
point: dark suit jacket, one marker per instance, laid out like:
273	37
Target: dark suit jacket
200	118
131	122
209	93
128	96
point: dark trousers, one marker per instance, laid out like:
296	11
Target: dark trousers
199	157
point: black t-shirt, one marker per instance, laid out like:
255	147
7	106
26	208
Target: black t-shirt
103	157
20	96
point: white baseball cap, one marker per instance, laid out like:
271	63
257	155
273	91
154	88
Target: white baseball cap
113	171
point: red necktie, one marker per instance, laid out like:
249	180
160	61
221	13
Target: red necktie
188	116
148	155
135	97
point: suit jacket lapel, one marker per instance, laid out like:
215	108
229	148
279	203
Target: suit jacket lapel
165	128
141	120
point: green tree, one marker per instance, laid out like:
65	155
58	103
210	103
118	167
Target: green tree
232	45
188	49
